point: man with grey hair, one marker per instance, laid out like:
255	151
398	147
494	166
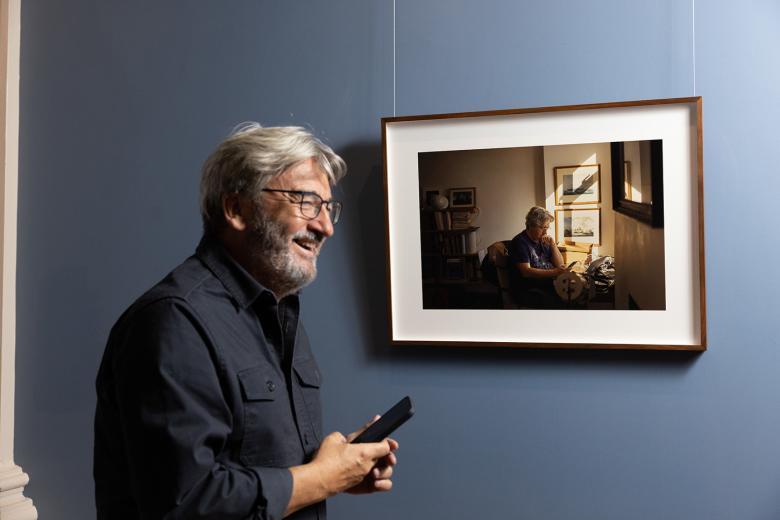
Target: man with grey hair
208	392
535	261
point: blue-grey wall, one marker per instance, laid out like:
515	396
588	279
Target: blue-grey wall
121	102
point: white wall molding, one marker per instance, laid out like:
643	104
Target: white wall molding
13	504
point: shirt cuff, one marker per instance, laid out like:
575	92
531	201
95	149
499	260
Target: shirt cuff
274	489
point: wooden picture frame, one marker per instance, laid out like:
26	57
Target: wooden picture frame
649	210
463	198
578	225
577	184
678	323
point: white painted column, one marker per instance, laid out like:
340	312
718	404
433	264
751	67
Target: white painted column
13	504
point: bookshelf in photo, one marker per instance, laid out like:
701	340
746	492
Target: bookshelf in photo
449	247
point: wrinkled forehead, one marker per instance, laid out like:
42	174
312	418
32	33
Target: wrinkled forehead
306	175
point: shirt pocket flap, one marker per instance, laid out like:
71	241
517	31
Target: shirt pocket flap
308	373
257	384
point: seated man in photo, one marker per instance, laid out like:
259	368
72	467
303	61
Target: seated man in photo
535	262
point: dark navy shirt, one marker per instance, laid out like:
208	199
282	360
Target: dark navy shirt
207	392
523	250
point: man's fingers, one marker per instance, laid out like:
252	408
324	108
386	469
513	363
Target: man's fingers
382	473
383	485
376	450
388	460
391	459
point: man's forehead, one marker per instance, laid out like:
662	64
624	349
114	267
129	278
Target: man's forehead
306	175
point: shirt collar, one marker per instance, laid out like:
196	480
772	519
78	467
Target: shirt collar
535	243
237	281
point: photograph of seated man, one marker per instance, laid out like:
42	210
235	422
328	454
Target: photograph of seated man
552	227
535	262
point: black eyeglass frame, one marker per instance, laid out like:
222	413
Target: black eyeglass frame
334	207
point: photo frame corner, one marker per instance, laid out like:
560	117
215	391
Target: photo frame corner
463	198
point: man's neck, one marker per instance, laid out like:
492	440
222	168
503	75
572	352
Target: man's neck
234	245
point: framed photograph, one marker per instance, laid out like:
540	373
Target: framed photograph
574	225
600	178
463	197
577	184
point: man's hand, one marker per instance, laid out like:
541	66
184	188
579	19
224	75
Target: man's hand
355	468
548	240
379	478
560	270
339	466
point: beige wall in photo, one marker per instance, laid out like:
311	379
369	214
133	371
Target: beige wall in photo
640	272
576	154
509	181
637	154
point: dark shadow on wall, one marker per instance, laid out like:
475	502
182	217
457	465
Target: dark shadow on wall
366	248
367	251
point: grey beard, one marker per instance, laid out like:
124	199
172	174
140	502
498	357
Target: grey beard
272	256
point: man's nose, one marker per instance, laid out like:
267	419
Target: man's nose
322	223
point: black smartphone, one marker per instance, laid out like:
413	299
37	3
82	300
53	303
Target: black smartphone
388	423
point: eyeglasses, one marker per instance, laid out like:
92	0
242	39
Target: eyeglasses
311	204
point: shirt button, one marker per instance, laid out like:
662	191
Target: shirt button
271	386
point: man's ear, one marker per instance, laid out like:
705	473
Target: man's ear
232	206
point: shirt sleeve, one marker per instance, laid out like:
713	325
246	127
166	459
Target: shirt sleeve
176	423
518	252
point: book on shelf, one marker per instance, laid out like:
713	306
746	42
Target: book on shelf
442	220
460	219
460	244
438	220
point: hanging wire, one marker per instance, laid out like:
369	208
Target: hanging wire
393	58
693	34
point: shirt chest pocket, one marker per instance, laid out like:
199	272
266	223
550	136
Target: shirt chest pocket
309	380
268	425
